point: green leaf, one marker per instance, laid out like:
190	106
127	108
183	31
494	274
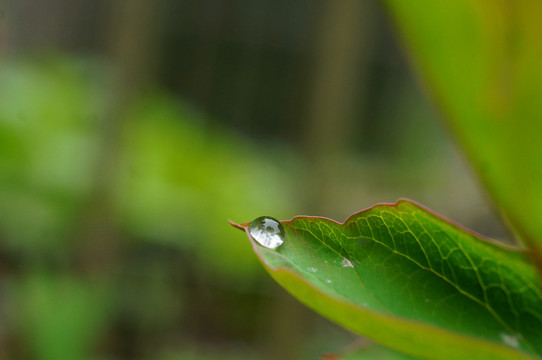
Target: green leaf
59	317
481	59
412	281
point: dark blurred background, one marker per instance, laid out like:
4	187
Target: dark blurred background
132	130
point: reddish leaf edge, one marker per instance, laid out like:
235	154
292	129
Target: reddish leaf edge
238	226
510	247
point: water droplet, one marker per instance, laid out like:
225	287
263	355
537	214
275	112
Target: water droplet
510	340
346	263
313	269
267	231
329	281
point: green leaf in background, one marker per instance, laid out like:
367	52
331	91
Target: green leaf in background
61	317
482	59
48	150
413	281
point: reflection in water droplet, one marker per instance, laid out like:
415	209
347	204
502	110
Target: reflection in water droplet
346	263
267	231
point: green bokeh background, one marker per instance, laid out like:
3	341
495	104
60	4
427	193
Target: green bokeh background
131	131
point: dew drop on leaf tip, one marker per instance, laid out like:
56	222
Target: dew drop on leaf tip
267	232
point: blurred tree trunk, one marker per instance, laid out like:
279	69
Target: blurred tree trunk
343	51
209	25
49	24
131	48
343	40
4	31
131	41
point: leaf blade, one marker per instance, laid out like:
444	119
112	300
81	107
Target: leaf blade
367	279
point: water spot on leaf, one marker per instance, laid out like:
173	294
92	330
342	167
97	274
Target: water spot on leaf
510	340
313	269
267	232
346	263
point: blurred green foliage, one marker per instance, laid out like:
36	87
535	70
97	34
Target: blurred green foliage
178	180
48	152
60	317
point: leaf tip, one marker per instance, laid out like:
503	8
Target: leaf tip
239	226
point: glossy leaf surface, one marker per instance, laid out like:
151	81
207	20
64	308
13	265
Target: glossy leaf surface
413	281
481	60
